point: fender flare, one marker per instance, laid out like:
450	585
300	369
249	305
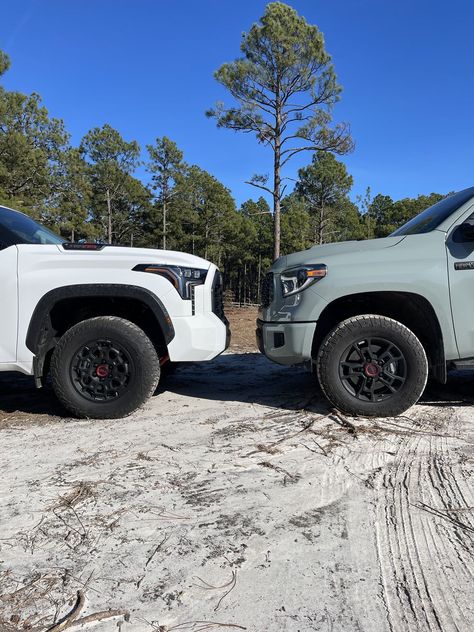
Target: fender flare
40	332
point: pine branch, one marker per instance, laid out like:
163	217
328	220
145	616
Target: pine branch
259	186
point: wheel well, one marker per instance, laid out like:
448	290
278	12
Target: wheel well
70	311
412	310
51	320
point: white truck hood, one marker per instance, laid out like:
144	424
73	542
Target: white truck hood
141	255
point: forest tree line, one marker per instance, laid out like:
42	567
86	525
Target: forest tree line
91	192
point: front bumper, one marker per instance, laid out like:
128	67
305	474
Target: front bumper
205	334
198	338
286	343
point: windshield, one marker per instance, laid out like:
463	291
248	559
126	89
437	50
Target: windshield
435	215
16	228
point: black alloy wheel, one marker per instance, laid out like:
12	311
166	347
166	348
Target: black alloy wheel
373	369
101	370
104	367
372	365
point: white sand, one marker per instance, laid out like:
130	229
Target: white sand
237	477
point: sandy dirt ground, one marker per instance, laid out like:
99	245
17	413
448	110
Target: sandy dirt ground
237	500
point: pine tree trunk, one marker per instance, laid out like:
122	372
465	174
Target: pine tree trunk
245	283
164	224
258	277
109	217
277	190
321	223
276	212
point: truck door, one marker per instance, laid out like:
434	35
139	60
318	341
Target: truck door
460	253
8	303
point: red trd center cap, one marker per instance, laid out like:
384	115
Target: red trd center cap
102	370
372	369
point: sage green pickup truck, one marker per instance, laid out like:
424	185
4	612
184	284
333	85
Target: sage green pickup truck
376	318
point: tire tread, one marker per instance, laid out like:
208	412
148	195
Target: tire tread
144	390
353	325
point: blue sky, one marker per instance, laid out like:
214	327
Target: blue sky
146	67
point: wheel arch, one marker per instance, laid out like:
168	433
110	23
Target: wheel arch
411	309
64	306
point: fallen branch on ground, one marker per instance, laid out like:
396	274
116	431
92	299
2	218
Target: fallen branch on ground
440	514
100	616
342	420
205	625
230	584
156	549
72	616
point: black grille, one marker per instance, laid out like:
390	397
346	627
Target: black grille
218	298
267	289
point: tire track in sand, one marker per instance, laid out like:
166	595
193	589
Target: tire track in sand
424	534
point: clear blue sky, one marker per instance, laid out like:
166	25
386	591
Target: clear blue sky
146	67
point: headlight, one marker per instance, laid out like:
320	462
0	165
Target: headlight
183	279
298	279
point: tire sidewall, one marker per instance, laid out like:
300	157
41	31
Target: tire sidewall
141	354
354	330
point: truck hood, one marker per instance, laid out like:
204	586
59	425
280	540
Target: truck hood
142	255
320	254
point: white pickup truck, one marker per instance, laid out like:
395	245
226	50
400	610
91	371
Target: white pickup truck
101	319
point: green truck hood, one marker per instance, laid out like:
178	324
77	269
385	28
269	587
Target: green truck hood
319	254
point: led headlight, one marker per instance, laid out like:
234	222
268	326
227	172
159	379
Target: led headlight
295	280
183	279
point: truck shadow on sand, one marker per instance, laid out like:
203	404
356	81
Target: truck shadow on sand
234	377
19	395
243	377
252	378
249	378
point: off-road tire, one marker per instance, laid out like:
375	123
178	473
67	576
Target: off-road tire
140	358
355	331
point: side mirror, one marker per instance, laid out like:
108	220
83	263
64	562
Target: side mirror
464	232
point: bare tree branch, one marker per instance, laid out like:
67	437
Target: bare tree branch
259	186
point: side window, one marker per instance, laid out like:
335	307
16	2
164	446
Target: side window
5	239
464	232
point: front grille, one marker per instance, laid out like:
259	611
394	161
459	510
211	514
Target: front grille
267	291
218	298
